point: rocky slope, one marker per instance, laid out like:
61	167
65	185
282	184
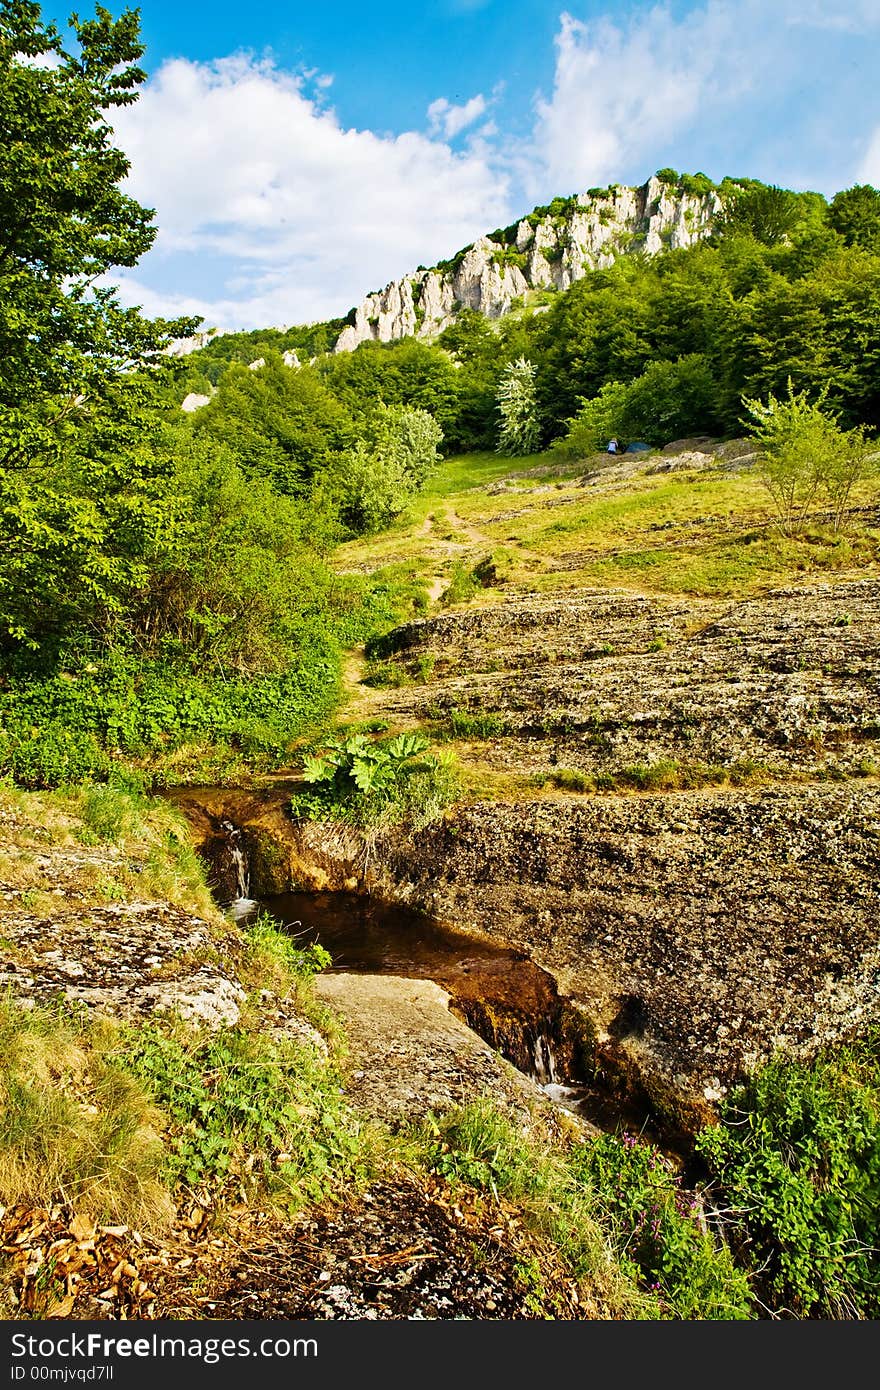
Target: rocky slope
693	932
605	681
548	249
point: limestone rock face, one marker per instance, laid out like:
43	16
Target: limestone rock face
182	347
194	401
547	251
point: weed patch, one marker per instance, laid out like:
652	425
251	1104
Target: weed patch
369	782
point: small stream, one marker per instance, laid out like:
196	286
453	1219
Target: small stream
498	992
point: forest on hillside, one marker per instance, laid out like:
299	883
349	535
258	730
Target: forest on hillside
165	578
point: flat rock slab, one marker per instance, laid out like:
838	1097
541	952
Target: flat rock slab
407	1054
602	680
126	960
699	933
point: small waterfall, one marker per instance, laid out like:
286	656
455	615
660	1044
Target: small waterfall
545	1062
239	867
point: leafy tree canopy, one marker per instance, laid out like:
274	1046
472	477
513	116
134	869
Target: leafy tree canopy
855	214
64	223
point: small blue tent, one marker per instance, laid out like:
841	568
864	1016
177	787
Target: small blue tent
637	448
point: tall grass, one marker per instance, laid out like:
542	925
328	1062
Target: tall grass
73	1124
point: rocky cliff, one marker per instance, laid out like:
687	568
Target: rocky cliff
551	248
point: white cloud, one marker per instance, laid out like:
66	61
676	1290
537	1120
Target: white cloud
621	91
847	16
452	120
739	77
243	162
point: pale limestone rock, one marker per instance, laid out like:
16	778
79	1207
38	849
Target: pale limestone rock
194	401
182	347
525	233
559	251
291	358
255	366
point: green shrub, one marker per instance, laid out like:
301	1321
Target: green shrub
797	1160
462	723
370	781
50	756
393	461
805	455
463	585
656	1229
110	813
478	1145
568	779
240	1105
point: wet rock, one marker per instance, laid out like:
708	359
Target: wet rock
409	1054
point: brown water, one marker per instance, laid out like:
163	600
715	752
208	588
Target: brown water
500	993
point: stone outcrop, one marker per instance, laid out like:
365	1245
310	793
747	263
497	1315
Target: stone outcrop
695	932
126	960
182	347
194	401
692	935
698	933
407	1053
601	681
546	250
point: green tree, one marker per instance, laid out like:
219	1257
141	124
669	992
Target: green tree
855	214
409	373
669	400
768	213
81	495
64	223
282	422
805	455
519	430
387	466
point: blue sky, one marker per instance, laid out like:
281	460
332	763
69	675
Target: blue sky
299	155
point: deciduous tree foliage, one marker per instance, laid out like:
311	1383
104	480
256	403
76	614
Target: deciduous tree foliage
64	223
81	502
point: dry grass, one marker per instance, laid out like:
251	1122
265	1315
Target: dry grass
72	1126
97	845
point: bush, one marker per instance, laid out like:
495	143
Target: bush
797	1159
463	585
370	781
52	755
70	727
668	401
656	1229
388	466
805	455
267	1114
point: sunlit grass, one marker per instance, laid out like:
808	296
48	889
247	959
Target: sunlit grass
699	533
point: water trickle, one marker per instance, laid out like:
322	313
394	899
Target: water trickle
242	902
545	1063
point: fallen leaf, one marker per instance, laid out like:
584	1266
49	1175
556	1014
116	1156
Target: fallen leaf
82	1229
62	1309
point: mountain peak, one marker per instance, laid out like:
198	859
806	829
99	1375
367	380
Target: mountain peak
547	249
